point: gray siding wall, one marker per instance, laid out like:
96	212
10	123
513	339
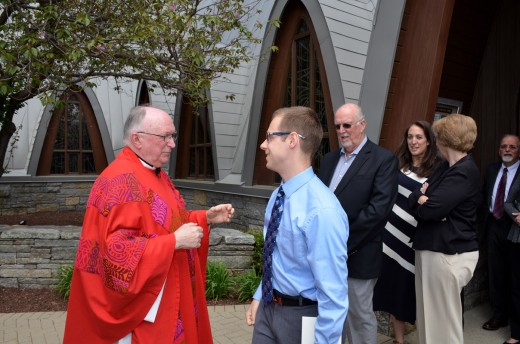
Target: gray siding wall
350	27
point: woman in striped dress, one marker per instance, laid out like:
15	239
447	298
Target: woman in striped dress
395	289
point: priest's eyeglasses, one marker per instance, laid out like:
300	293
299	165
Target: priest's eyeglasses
167	138
269	135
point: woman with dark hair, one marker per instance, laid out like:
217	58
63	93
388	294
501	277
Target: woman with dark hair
395	289
445	241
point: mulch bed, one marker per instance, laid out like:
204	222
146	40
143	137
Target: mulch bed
14	300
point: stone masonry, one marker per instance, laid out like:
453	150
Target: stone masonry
33	197
30	256
18	198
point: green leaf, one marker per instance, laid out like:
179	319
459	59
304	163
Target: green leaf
83	19
4	89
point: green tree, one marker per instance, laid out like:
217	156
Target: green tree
49	46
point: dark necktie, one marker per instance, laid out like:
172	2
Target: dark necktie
498	207
269	244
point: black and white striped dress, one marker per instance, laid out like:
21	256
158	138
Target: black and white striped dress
395	289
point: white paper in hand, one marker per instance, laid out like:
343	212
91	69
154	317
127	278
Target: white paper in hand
308	330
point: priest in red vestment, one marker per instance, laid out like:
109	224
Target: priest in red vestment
140	269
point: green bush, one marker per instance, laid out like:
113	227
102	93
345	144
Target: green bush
256	261
218	281
247	284
64	280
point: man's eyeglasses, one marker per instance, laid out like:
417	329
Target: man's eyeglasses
166	138
346	125
268	135
511	147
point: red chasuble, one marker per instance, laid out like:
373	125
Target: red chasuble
127	253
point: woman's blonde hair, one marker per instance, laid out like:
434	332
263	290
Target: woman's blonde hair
456	131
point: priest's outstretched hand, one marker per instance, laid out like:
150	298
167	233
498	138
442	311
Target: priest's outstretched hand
220	213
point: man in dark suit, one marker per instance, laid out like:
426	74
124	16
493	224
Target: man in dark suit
512	209
496	229
363	177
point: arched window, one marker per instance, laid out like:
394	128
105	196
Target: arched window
73	143
144	94
296	77
194	155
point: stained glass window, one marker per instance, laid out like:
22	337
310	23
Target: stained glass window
72	152
68	148
195	157
307	83
296	77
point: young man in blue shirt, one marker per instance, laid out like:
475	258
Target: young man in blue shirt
305	272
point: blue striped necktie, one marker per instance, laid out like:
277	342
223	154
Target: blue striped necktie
269	244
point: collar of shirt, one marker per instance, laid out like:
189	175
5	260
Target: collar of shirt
511	170
150	167
293	184
356	151
147	165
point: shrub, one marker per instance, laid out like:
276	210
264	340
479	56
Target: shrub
247	284
256	261
218	281
64	280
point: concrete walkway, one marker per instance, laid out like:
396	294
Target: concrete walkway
227	322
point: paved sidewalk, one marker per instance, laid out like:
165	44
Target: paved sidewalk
228	324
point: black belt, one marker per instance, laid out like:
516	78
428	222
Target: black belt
291	301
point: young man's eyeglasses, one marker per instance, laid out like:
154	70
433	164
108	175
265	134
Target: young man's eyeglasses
167	138
269	135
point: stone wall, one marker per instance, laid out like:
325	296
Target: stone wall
27	198
249	210
30	256
231	247
31	197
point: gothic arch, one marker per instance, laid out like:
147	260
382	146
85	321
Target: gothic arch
195	155
298	46
106	143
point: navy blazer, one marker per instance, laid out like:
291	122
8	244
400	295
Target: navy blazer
367	193
513	195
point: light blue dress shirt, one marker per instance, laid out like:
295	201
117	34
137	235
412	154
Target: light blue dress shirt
343	165
511	171
310	256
